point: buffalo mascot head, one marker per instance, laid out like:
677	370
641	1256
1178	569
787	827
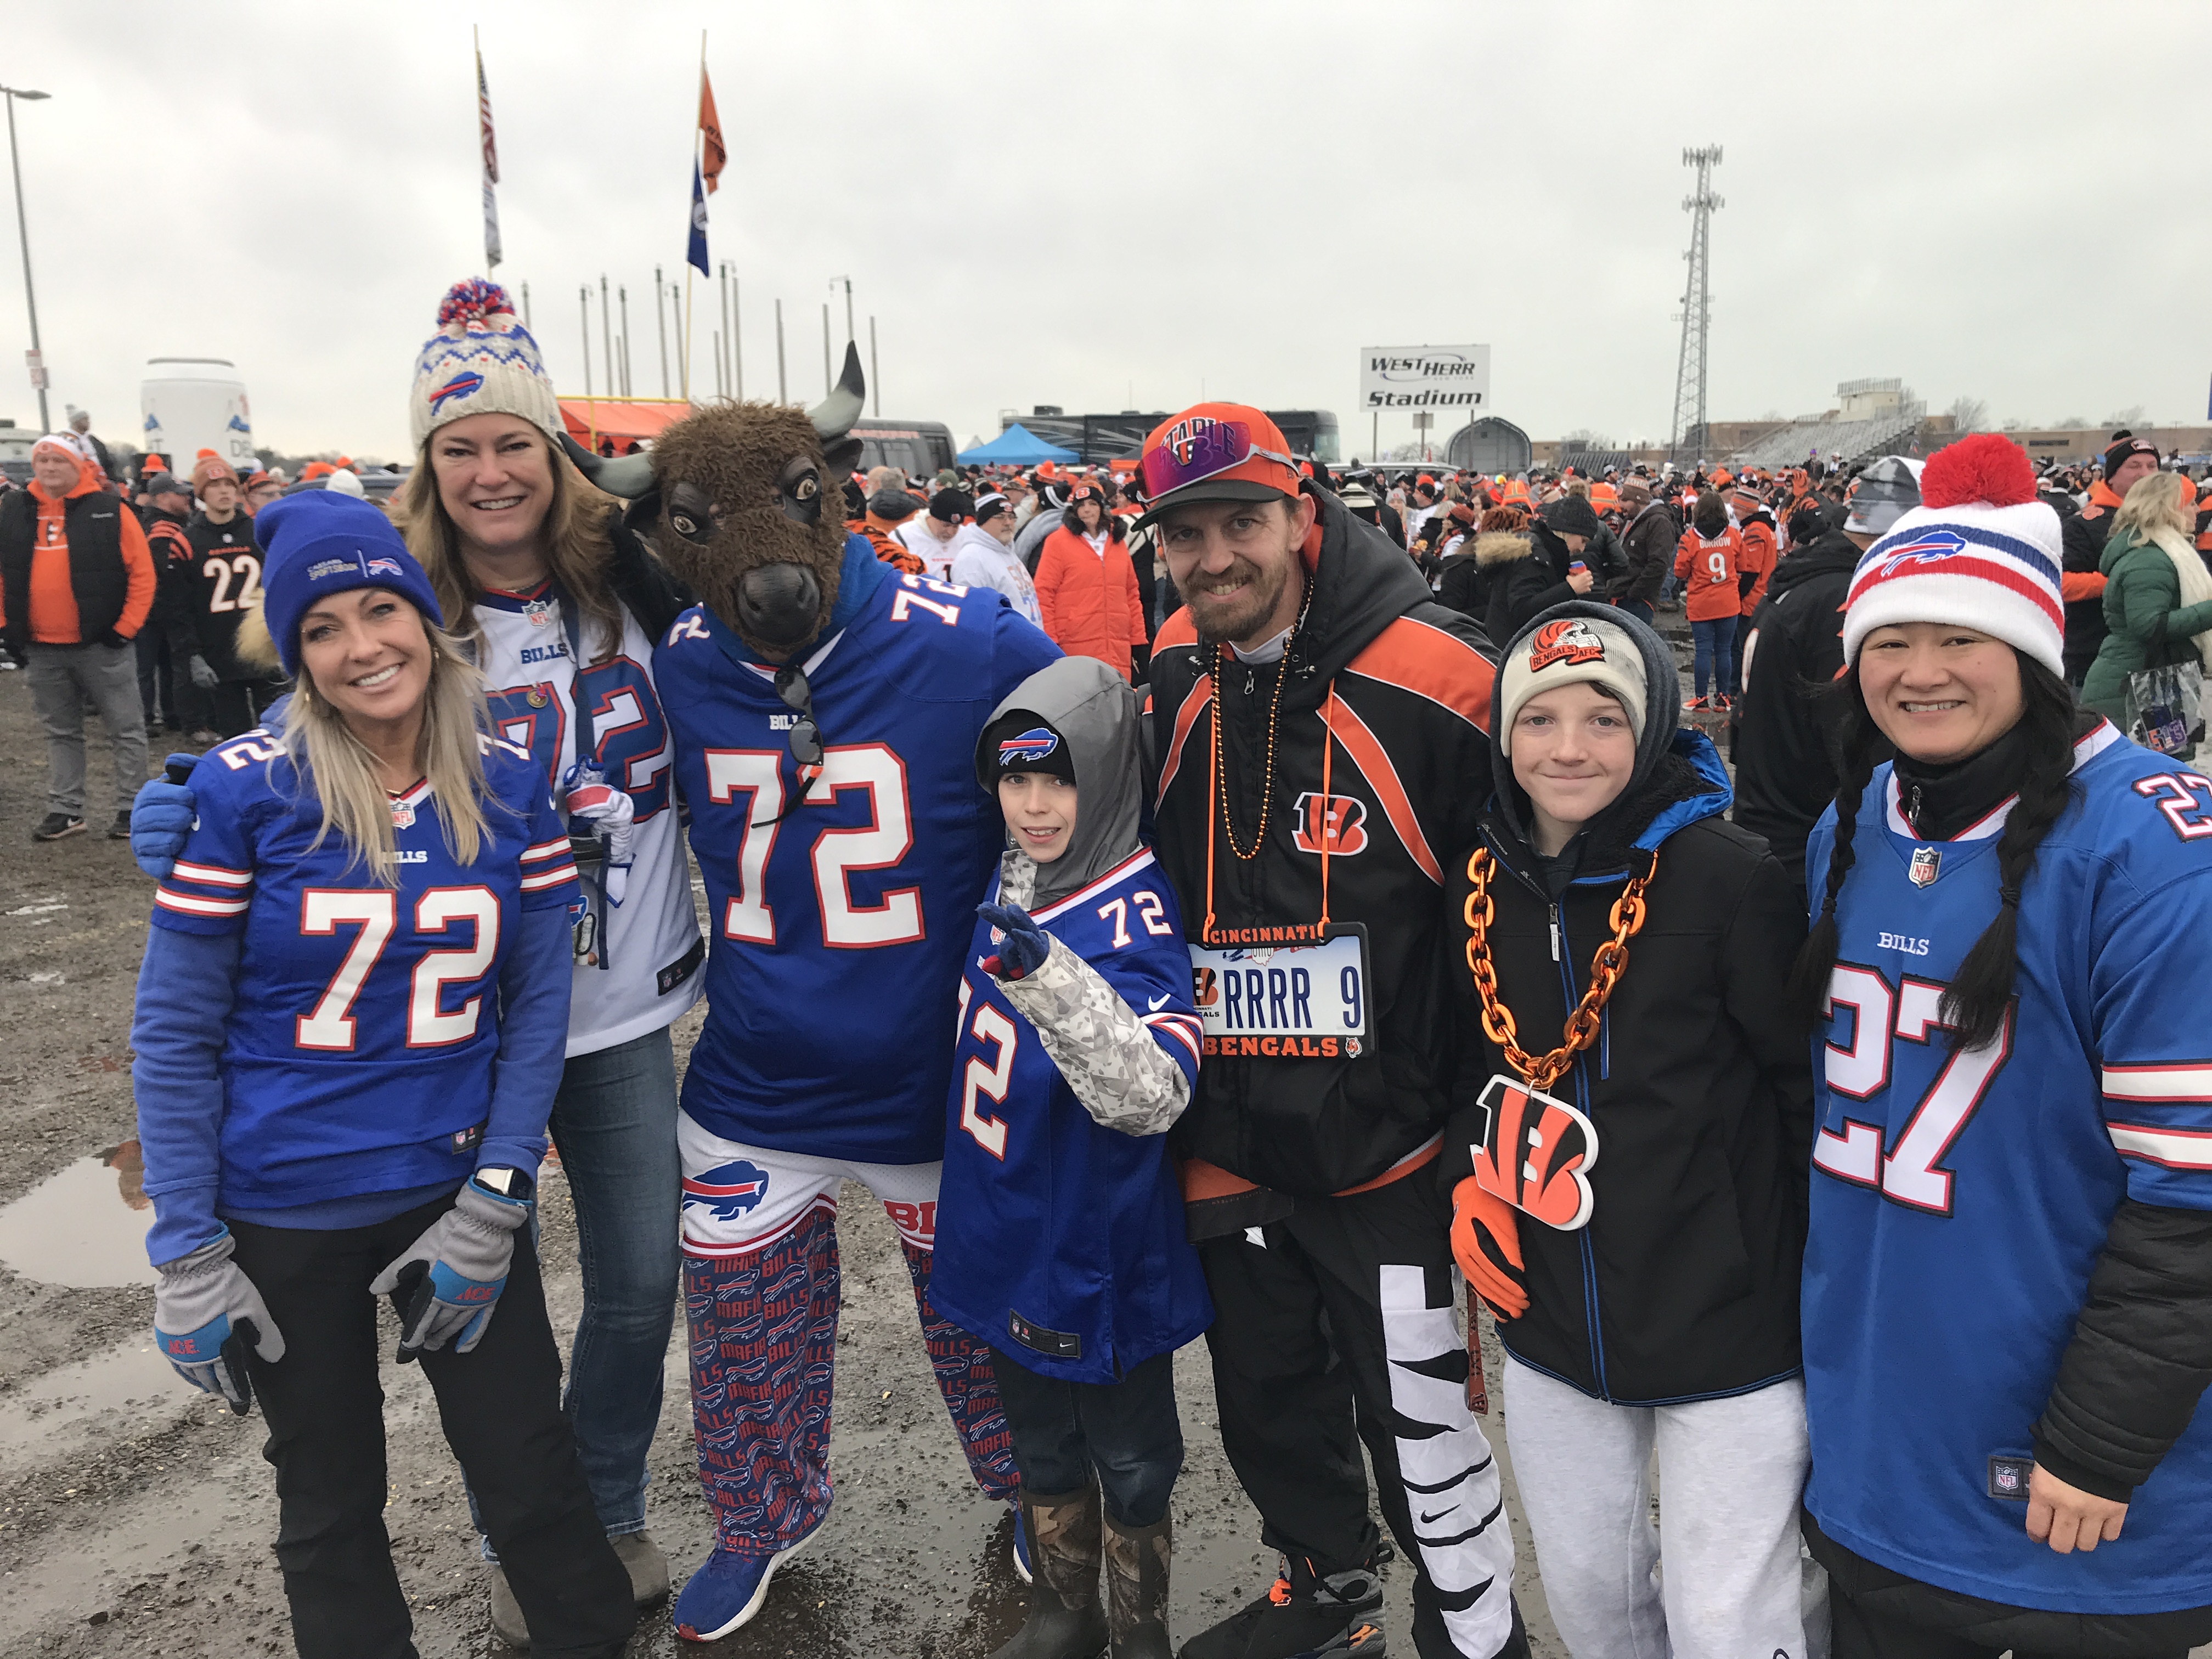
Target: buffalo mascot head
741	501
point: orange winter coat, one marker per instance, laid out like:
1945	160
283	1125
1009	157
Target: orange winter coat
1709	569
1756	561
1089	600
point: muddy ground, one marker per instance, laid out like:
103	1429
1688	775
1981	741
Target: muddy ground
136	1516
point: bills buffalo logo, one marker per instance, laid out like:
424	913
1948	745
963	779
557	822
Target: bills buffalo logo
1536	1154
1569	640
1032	745
461	386
384	567
1929	547
1336	824
1926	862
727	1191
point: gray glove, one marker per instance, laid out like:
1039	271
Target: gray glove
206	1315
203	675
451	1279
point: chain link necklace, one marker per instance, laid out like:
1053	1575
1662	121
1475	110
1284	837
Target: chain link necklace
1606	966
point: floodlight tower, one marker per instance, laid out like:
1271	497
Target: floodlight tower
1697	312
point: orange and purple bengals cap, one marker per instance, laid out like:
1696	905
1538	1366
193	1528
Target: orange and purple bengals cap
1214	453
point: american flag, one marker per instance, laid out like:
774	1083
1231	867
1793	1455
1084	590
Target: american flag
490	167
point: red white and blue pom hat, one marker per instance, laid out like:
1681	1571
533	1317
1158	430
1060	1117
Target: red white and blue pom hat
1980	551
481	362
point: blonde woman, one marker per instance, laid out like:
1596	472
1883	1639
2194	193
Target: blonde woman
517	547
2158	596
348	1033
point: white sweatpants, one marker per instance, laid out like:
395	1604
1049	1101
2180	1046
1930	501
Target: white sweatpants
1731	1476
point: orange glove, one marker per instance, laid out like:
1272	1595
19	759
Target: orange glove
1485	1241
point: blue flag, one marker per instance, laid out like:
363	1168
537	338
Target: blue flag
697	256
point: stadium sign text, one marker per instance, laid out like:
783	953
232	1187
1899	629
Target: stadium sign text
1424	377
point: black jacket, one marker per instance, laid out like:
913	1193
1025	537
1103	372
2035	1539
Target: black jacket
1409	768
2081	543
1785	742
100	584
224	573
1527	573
1684	1283
1648	553
1461	582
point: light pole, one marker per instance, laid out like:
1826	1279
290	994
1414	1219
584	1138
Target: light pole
848	282
23	232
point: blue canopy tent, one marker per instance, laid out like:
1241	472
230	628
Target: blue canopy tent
1015	446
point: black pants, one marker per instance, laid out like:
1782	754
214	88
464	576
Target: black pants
1126	1431
156	691
236	705
1337	1328
1881	1614
500	1405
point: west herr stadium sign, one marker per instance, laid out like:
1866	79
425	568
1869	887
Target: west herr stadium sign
1424	377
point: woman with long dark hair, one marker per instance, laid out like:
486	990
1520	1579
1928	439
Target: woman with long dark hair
2007	1298
349	1032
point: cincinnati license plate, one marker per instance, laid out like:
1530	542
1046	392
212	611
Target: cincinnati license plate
1259	995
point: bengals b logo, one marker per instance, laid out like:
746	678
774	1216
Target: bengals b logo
1336	824
1536	1154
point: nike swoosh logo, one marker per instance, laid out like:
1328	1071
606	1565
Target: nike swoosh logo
1156	1004
1426	1517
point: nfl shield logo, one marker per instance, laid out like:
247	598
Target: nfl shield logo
1926	860
402	816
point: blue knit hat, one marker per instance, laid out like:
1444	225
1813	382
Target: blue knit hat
319	543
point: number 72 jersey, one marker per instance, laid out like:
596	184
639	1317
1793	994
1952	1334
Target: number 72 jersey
839	911
1960	1198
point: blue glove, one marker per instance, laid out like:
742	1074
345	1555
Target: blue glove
162	816
1023	946
450	1277
206	1315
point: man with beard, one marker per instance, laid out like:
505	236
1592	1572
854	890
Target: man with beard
1321	727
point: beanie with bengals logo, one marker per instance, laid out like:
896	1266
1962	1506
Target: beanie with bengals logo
1981	551
1570	651
481	362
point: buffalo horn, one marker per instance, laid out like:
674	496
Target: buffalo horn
835	414
627	476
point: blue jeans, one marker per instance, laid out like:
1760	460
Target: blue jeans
1125	1431
1638	609
1716	652
614	1121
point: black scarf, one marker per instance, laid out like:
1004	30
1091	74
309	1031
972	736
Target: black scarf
1940	799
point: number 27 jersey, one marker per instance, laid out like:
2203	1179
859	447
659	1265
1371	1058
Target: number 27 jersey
839	919
1960	1198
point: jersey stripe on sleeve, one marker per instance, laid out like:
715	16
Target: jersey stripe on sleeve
2186	1084
1184	1028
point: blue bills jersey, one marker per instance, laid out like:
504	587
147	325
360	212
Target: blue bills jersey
838	912
364	1020
1960	1200
1060	1241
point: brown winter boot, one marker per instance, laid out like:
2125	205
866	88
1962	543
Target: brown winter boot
1065	1620
1137	1588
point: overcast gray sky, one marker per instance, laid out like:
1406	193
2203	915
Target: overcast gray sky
1136	205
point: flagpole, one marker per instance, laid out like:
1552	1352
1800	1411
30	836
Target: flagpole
689	270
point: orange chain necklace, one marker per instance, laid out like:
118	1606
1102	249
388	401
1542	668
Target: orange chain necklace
1606	966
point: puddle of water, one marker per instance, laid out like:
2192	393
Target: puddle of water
85	1228
46	1419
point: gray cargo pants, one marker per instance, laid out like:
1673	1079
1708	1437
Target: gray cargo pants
63	678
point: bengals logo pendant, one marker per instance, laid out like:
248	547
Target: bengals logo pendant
1536	1154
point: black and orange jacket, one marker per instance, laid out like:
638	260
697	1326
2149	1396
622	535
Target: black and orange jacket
2081	583
889	550
1382	759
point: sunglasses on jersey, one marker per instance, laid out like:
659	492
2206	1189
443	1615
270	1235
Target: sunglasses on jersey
805	738
1187	457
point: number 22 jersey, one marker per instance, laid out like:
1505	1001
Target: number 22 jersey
839	919
1960	1201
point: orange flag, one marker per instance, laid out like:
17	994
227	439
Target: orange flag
710	133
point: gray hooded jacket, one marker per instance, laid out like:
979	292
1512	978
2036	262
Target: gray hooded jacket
1109	1057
